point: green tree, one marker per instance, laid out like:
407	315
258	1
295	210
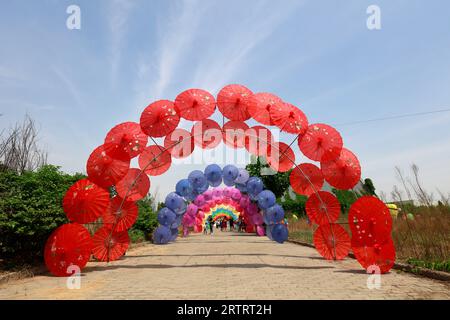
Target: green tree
147	220
277	182
368	188
346	198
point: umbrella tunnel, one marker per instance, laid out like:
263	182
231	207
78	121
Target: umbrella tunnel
107	197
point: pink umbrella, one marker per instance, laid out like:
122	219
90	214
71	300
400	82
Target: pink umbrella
200	200
260	231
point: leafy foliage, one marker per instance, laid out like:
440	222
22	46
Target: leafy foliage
147	219
30	209
277	182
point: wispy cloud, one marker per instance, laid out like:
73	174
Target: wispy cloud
70	86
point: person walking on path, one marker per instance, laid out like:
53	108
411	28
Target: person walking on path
231	224
211	224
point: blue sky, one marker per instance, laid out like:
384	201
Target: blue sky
318	55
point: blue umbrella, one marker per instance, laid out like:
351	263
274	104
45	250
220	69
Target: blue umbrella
213	175
161	235
279	233
202	189
242	177
241	187
184	187
266	199
174	202
228	182
173	233
230	172
254	186
197	178
275	213
166	216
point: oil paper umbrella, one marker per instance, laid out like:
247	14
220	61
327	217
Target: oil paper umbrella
378	258
125	141
289	118
179	143
184	187
254	186
109	246
279	232
85	202
166	217
155	160
306	179
280	157
242	177
260	106
197	179
174	202
159	118
121	215
213	175
134	186
322	207
332	241
67	248
233	101
370	221
195	104
266	199
257	140
233	133
343	172
230	172
104	170
321	143
275	213
207	134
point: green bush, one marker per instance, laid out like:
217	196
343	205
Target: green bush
30	209
136	235
147	220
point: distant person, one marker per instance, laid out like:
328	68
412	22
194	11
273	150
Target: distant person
224	225
206	227
231	224
211	224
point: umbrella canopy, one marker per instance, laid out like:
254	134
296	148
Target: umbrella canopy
125	141
69	245
306	179
162	235
155	160
321	143
197	179
266	199
166	216
104	170
179	143
280	157
289	118
159	119
233	101
85	202
279	232
121	215
195	104
380	255
234	133
254	186
134	186
332	241
207	134
184	187
213	174
257	140
343	172
109	246
370	221
260	106
323	207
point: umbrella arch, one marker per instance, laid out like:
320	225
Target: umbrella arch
108	169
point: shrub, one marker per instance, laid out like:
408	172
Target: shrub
147	220
30	209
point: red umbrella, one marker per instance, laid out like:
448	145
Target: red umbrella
260	106
380	256
207	134
234	133
323	207
85	202
160	118
179	143
104	170
306	179
343	172
233	101
257	140
332	241
370	221
195	104
109	244
69	245
155	160
289	118
125	141
121	215
321	143
280	157
134	186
